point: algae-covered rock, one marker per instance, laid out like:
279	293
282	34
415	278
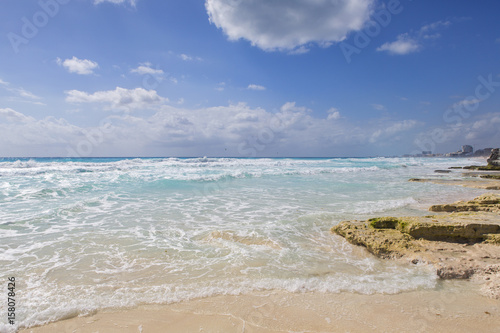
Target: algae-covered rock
381	242
460	245
383	222
451	232
490	176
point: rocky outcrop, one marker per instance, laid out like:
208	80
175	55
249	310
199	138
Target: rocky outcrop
494	159
484	203
460	245
484	182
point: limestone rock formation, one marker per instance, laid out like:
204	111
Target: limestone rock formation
461	244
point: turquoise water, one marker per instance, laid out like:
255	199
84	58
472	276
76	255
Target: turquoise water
82	235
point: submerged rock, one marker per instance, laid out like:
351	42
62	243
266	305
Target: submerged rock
442	171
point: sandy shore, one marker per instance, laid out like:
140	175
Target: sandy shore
452	307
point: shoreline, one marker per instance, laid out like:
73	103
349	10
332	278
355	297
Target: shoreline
447	308
452	306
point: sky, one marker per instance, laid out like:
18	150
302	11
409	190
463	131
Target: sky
248	78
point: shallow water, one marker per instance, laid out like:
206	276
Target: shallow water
81	235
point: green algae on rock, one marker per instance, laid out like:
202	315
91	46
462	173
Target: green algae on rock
460	244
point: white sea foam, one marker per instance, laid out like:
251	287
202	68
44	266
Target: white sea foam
90	234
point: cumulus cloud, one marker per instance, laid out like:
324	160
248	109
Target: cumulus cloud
414	41
288	25
245	131
255	87
22	135
145	68
78	66
118	99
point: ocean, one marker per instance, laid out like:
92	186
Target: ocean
83	235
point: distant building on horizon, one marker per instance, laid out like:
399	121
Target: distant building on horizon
467	149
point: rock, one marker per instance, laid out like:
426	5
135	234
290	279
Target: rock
451	232
490	176
494	159
387	243
460	245
442	171
384	222
486	203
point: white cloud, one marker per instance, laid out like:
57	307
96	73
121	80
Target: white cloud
466	102
480	131
118	99
289	25
412	42
220	86
145	68
26	96
13	116
403	45
176	131
333	114
78	66
392	129
187	57
292	107
379	107
117	2
255	87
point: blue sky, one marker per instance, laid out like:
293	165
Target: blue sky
248	78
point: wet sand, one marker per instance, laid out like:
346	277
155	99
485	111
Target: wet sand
458	308
453	306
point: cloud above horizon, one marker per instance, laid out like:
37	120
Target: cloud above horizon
118	99
20	93
78	66
117	2
145	68
407	43
289	25
243	130
256	87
